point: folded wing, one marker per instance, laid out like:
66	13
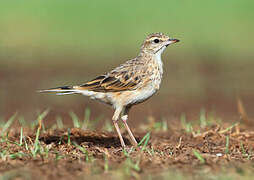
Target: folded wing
112	82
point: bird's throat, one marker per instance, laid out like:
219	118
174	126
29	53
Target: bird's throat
157	58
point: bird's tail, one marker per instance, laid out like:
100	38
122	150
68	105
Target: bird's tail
61	90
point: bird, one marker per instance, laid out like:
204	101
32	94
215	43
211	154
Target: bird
130	83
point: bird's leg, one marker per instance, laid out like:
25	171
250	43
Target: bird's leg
115	119
124	118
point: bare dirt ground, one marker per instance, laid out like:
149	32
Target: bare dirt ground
84	154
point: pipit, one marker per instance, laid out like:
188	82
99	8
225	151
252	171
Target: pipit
130	83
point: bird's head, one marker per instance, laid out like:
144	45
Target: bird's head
156	43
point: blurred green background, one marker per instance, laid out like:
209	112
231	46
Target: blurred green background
31	29
47	43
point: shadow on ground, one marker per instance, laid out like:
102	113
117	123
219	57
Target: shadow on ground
89	138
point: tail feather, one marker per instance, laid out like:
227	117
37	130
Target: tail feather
64	90
66	93
60	90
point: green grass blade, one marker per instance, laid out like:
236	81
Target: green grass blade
108	126
22	121
36	147
8	123
59	122
26	145
146	142
227	145
39	119
164	125
203	121
17	155
21	137
83	150
42	115
106	166
86	118
143	139
75	120
198	156
69	136
229	128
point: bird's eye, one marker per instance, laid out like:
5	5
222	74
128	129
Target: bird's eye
156	41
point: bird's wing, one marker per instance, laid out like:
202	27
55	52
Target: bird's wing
127	76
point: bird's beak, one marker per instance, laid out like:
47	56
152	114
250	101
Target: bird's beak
172	41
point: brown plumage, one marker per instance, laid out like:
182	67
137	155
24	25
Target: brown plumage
130	83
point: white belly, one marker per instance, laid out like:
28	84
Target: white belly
139	96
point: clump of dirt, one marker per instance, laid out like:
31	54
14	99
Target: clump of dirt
71	154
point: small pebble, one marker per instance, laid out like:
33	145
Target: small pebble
219	154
